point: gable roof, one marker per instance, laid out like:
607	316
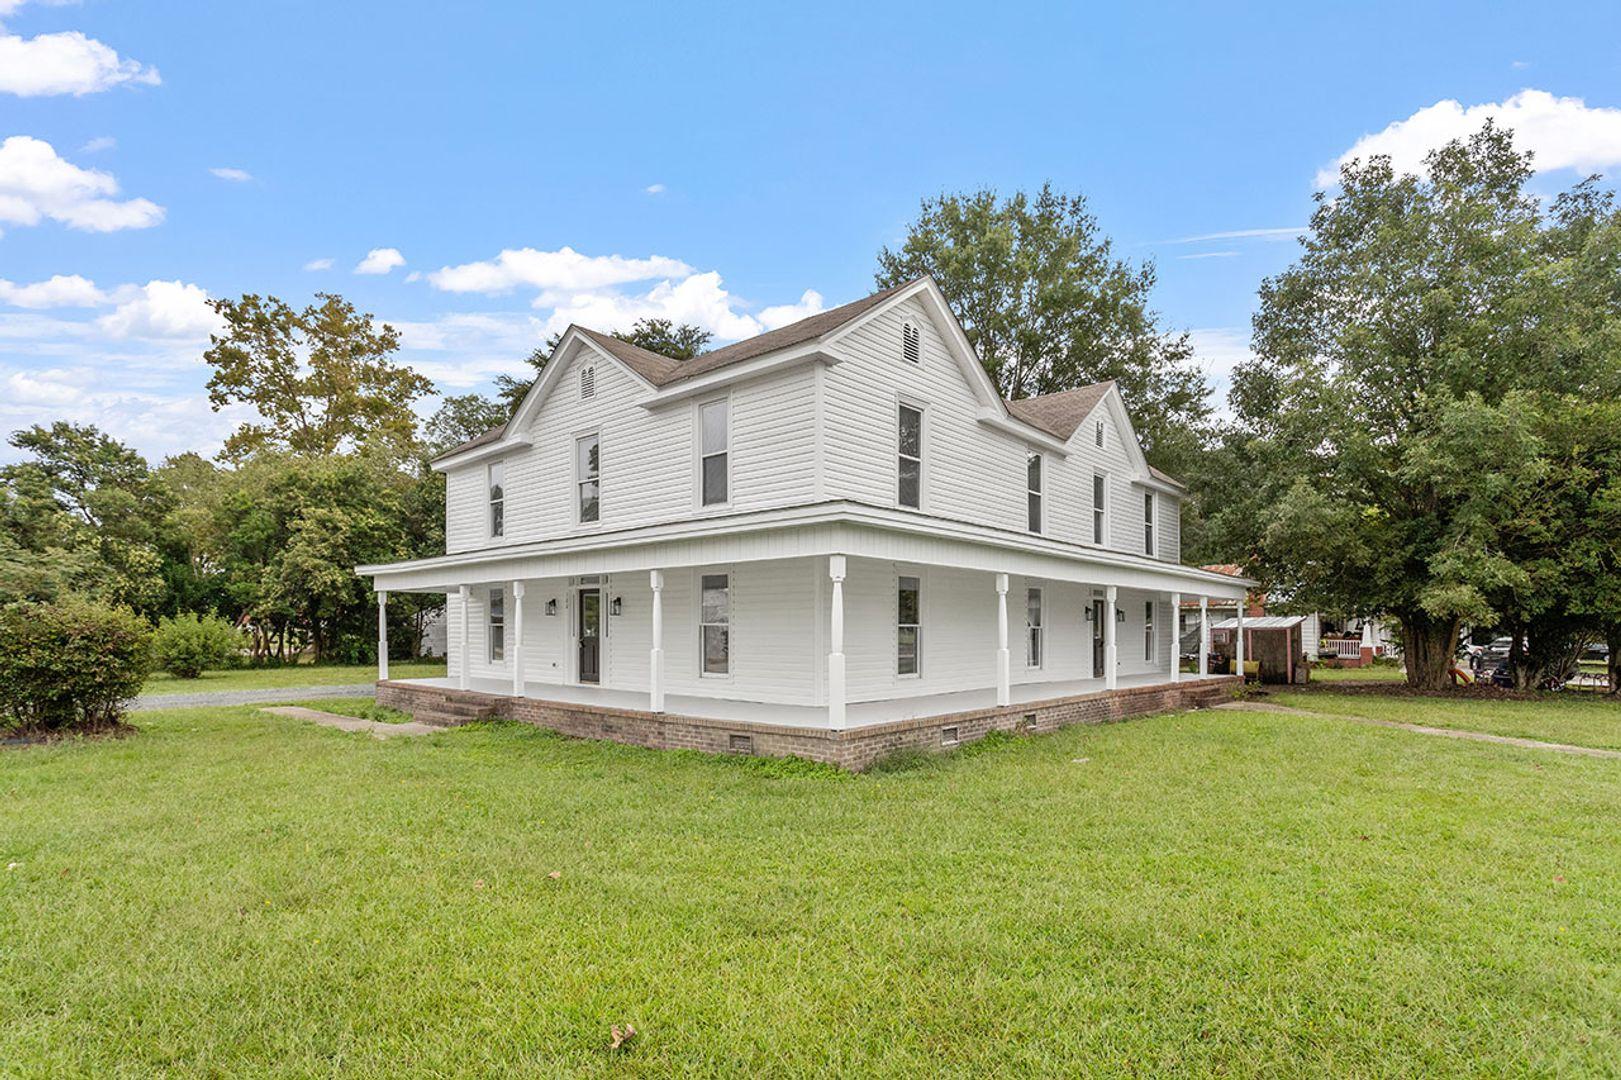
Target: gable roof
1061	413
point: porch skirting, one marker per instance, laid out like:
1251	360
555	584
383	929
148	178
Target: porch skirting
852	748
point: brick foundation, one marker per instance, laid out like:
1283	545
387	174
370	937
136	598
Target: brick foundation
854	749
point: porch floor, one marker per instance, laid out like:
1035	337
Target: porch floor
857	713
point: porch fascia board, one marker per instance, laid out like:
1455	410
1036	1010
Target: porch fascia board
833	528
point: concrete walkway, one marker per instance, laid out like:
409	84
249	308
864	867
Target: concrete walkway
149	702
353	723
1423	729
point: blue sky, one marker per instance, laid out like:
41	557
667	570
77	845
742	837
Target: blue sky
734	165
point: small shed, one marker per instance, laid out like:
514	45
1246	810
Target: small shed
1277	642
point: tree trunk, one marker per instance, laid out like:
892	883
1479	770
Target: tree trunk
1428	645
1612	638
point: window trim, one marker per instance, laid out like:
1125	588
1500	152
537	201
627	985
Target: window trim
580	481
1038	493
917	576
922	449
1100	510
495	599
492	505
699	456
1035	634
1151	524
698	617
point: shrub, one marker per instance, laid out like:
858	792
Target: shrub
187	645
70	663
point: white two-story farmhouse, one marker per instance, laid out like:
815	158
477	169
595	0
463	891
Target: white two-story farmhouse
834	539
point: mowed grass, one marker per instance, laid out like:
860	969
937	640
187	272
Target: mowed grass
274	678
1372	673
1578	719
229	893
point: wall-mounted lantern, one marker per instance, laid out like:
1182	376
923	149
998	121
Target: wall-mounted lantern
1120	614
1088	612
551	606
616	606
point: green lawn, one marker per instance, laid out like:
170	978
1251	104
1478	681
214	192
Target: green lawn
1581	719
295	675
1373	673
229	893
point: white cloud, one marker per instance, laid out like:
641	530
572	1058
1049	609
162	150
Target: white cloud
36	184
318	264
1209	255
236	176
414	276
1271	233
463	351
380	261
654	189
1219	350
1563	133
62	290
810	303
172	310
561	271
64	63
698	299
98	144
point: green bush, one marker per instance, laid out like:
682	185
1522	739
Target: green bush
187	645
70	663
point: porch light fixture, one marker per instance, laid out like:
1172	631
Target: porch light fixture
551	606
1088	612
1119	614
616	606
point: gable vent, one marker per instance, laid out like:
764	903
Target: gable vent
1100	433
910	345
588	382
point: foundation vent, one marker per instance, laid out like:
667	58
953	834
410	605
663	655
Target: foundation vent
948	736
1028	723
740	744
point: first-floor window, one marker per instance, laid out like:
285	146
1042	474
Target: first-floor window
588	476
715	623
498	626
909	627
1032	607
1148	631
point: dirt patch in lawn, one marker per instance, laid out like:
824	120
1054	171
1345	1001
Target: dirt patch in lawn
36	736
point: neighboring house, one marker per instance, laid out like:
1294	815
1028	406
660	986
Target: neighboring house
805	543
1322	636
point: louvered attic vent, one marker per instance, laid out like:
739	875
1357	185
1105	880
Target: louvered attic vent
588	382
909	343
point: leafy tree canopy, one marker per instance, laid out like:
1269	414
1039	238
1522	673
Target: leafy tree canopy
1049	307
321	379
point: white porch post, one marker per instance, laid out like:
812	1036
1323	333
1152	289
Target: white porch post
655	673
517	639
1004	691
1111	648
463	675
1238	647
1204	636
1176	637
835	655
382	635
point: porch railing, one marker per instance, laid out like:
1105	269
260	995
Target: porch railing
1343	648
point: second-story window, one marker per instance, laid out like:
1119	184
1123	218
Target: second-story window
714	456
1148	523
1100	492
910	486
498	498
588	477
1033	490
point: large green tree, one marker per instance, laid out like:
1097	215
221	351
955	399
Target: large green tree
1404	367
1049	306
321	379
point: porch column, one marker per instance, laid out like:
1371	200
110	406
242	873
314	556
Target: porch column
1004	692
1204	636
655	673
517	639
1176	637
464	674
1238	647
835	643
1111	648
382	635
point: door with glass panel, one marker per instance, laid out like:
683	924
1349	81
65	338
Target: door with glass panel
590	635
